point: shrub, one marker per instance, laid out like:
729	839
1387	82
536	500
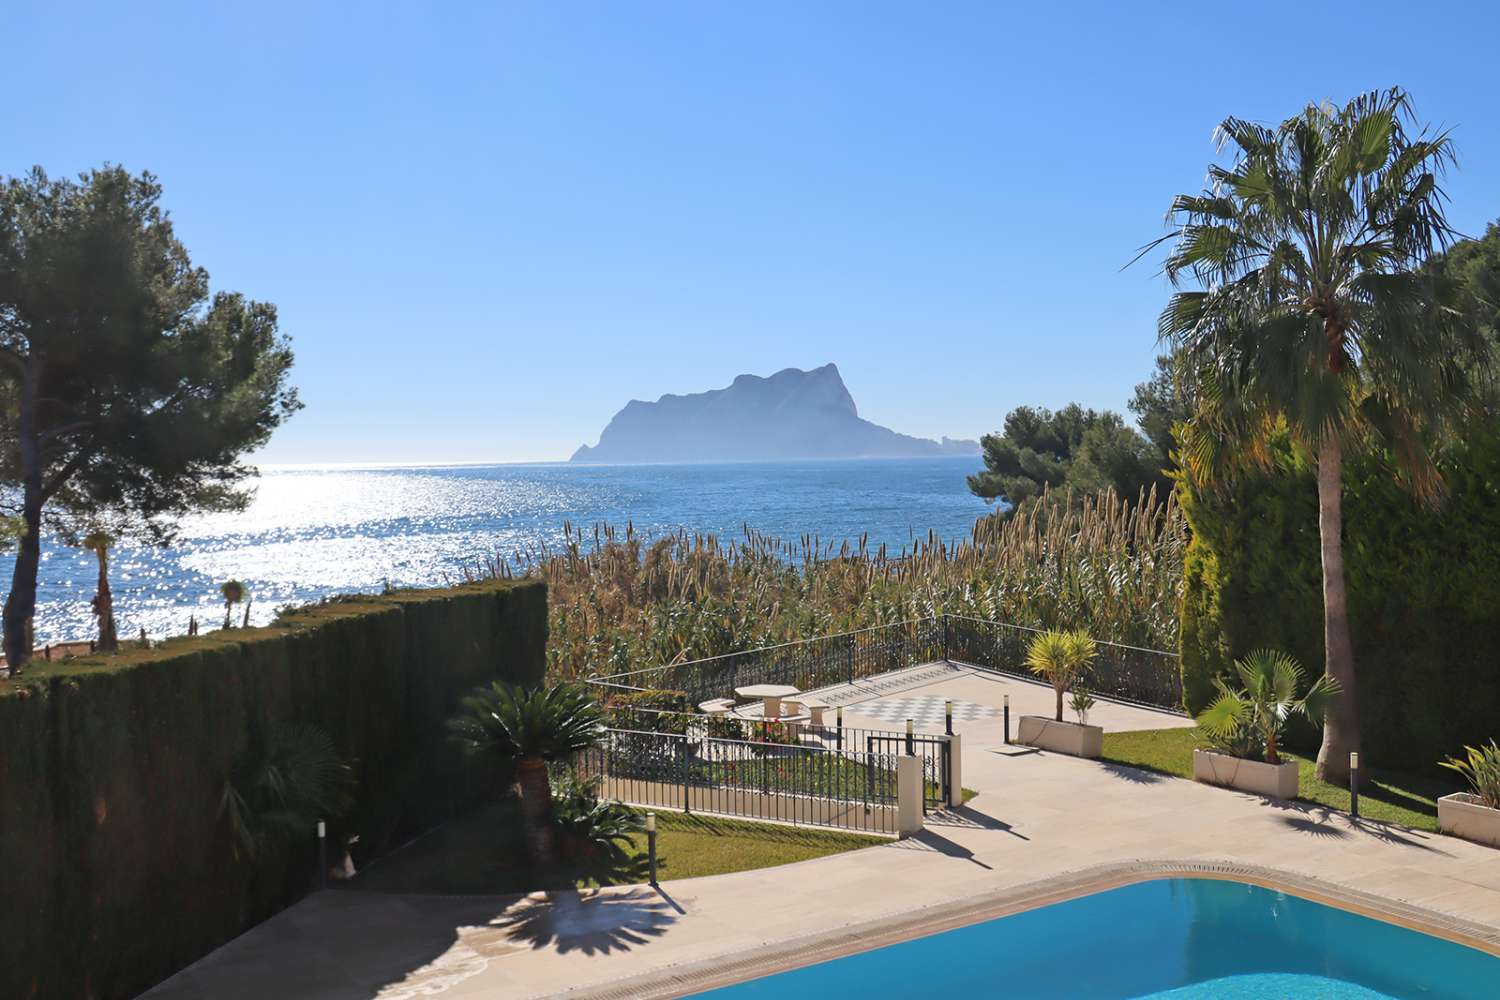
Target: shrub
1424	600
724	727
587	826
1081	703
112	770
648	711
1266	698
1481	767
283	786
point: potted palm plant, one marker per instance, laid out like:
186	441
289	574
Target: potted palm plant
1474	815
1062	659
1246	725
532	726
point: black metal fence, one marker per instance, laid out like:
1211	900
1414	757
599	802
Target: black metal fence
934	749
808	664
846	789
1125	673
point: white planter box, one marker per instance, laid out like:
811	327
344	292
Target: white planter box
1277	781
1461	815
1062	737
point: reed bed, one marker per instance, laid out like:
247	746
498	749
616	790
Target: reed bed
620	601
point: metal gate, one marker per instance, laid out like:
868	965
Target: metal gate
937	770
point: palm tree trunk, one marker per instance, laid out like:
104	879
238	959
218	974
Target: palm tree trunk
1341	725
104	605
536	808
1059	692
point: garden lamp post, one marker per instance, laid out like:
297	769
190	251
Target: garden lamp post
651	843
322	854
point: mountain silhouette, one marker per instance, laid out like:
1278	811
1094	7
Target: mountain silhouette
792	414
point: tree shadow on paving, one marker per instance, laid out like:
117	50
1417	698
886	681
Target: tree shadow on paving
594	923
1314	827
1316	820
1133	773
1390	835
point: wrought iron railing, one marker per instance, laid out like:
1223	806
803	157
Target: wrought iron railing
1121	672
807	664
801	785
932	748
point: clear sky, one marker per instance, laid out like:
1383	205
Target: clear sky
487	226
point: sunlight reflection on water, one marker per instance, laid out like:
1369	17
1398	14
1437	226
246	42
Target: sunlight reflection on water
315	532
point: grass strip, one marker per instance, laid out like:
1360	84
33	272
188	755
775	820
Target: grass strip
1389	796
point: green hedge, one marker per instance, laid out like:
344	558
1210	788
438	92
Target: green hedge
117	870
1424	595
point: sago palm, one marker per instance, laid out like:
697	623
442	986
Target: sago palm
532	726
1313	316
1269	682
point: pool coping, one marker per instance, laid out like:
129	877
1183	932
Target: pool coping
683	979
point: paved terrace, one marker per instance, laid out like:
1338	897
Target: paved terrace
1042	825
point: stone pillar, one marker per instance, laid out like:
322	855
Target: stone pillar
908	795
955	770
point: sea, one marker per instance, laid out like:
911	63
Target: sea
315	532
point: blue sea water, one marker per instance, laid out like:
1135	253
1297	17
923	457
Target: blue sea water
315	532
1174	939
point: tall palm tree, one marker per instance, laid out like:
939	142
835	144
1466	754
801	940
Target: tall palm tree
233	593
99	543
532	726
1313	316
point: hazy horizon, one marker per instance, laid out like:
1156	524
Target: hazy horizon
488	227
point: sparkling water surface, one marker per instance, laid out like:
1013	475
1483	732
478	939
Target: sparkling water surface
1184	939
315	532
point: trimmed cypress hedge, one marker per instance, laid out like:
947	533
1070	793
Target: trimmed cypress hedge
1424	595
115	869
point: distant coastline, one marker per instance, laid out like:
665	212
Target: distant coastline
315	531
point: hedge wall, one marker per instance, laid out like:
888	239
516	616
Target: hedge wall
115	870
1424	595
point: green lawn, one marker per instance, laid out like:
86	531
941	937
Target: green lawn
1391	796
483	854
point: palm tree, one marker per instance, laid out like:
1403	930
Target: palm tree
103	604
532	726
1314	317
1061	658
281	787
233	592
1268	697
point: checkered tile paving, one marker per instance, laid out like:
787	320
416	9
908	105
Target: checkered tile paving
925	710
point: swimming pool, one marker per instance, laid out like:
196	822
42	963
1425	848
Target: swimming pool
1173	938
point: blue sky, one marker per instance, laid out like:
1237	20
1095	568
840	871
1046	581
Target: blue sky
487	226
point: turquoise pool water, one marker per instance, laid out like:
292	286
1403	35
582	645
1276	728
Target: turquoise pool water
1176	939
